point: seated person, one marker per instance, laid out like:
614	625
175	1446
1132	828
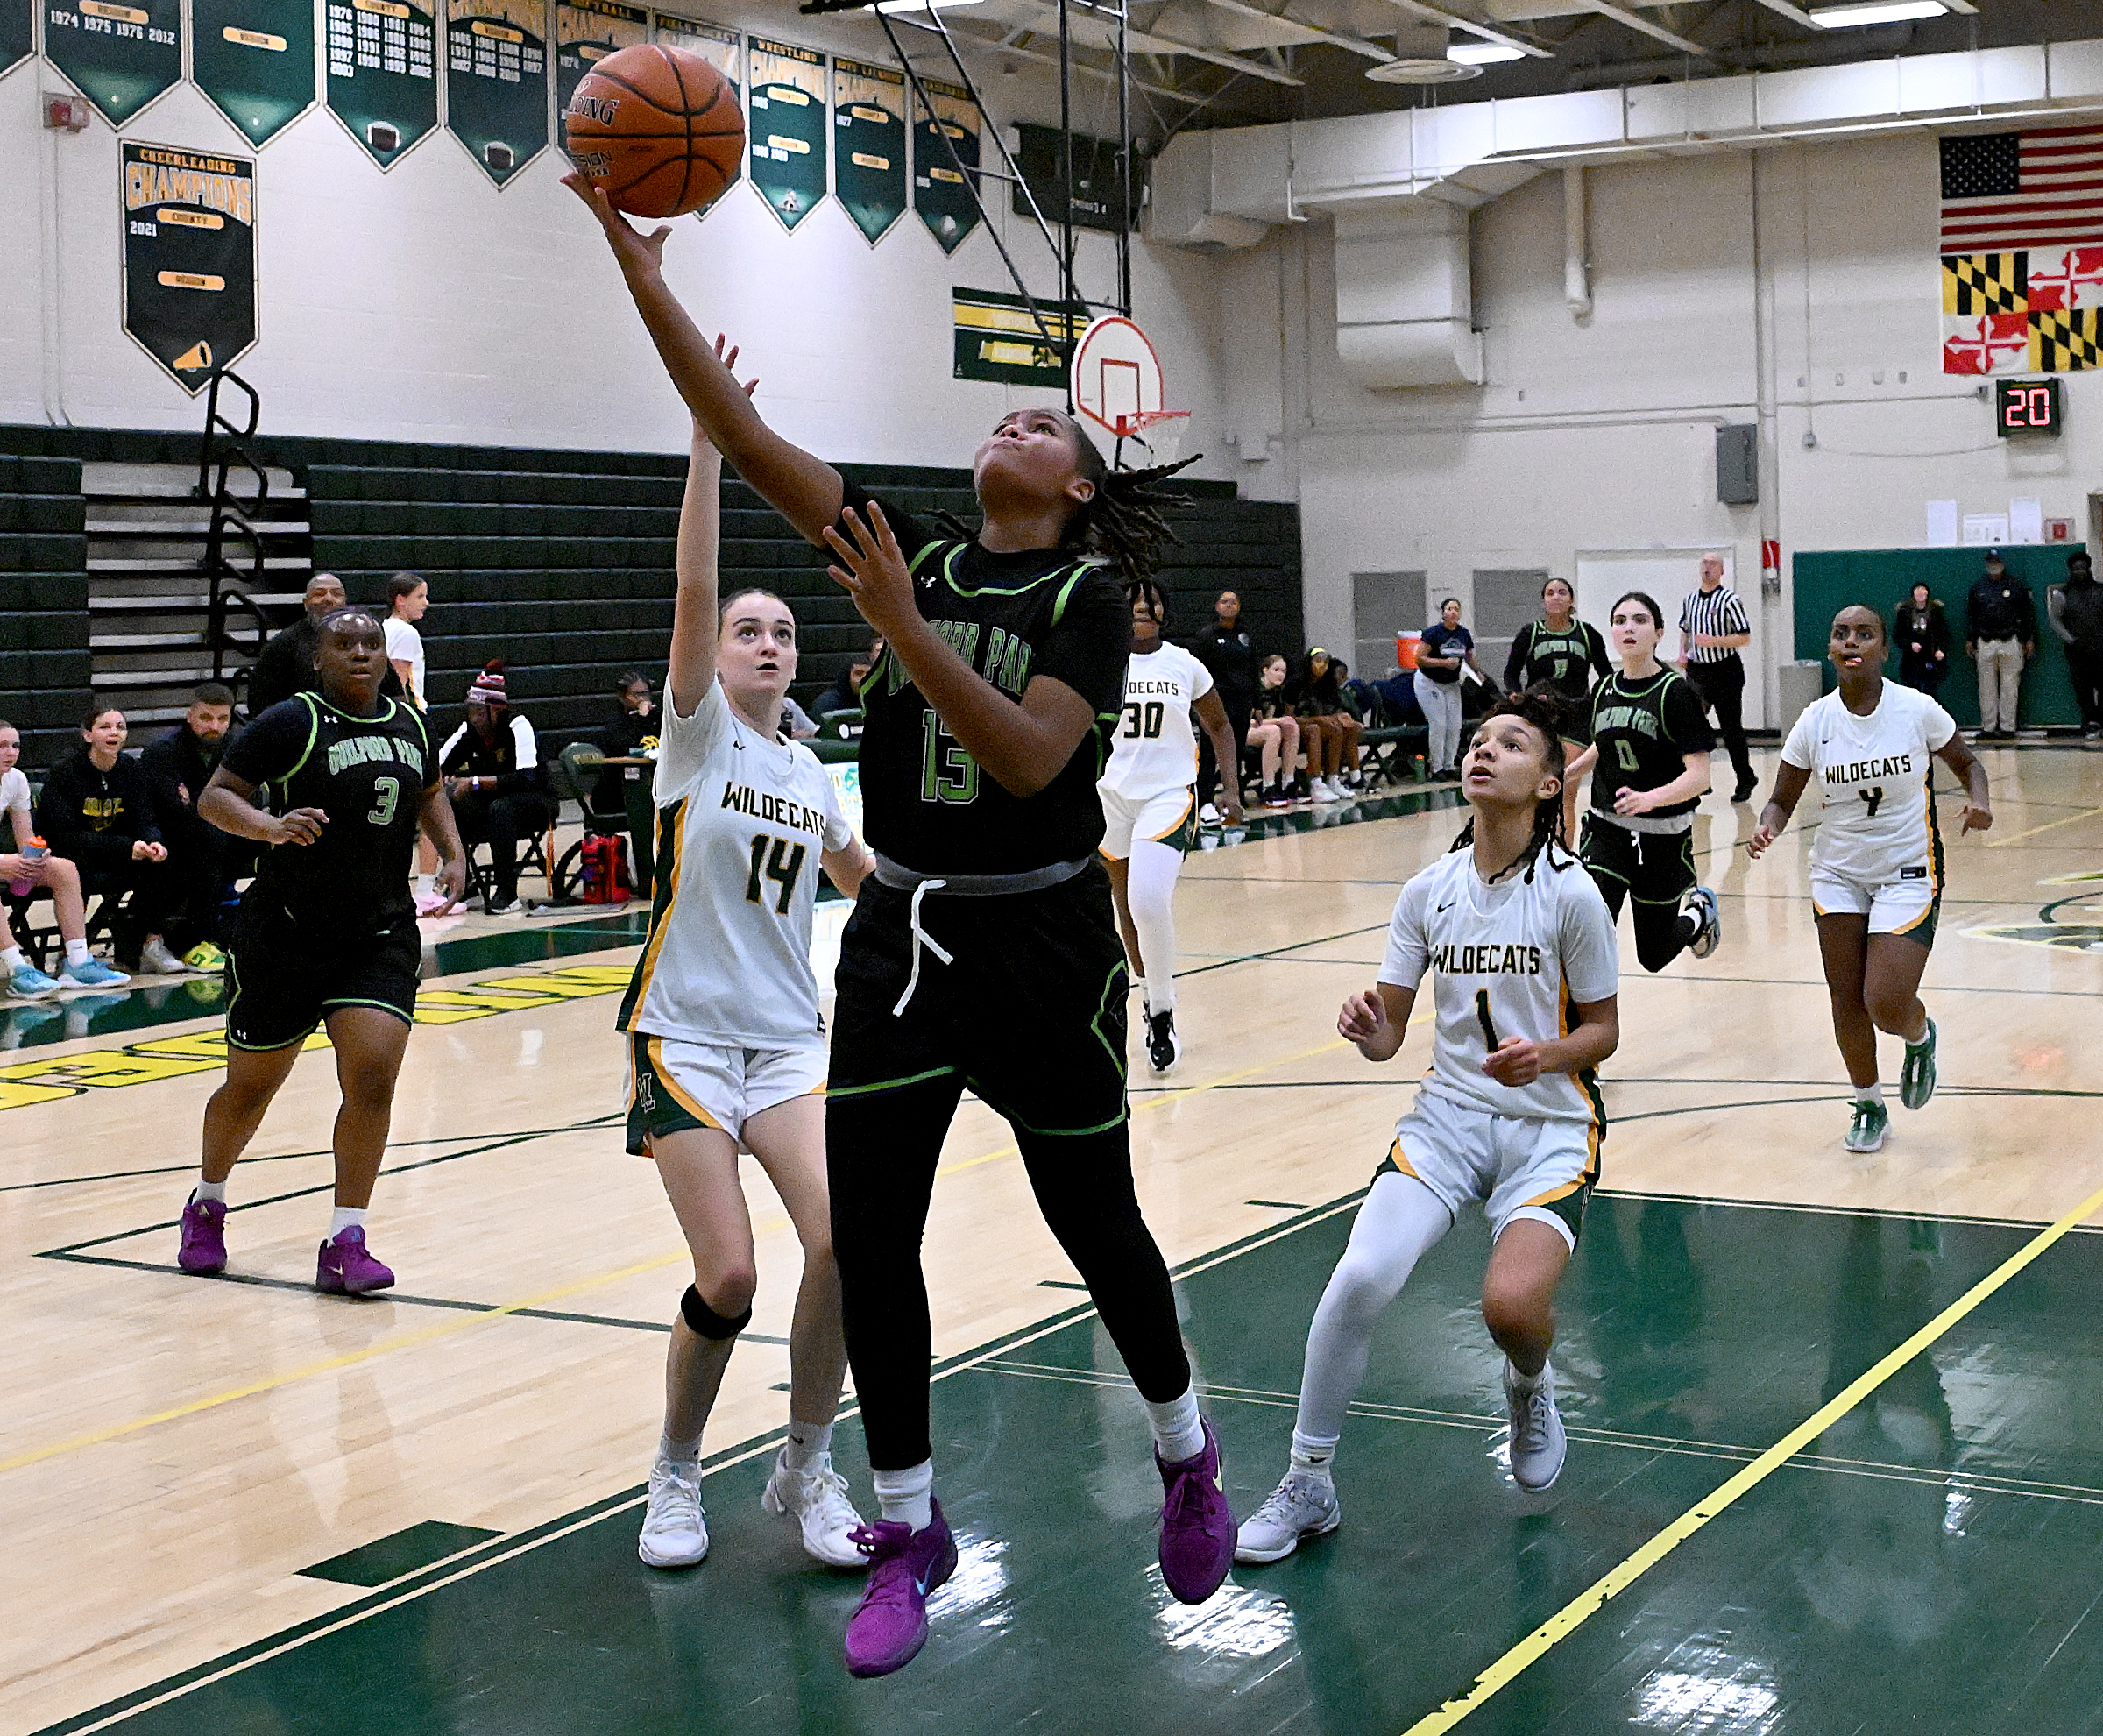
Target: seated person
500	789
1328	725
631	734
97	813
286	665
795	721
1274	729
54	878
845	694
202	861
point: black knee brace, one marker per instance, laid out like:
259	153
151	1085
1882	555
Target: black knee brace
706	1321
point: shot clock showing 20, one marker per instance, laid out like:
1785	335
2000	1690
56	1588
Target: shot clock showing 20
2026	407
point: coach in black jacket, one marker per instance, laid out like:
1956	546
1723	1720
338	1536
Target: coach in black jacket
286	665
202	861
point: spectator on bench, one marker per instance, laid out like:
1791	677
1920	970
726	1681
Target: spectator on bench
286	665
55	878
1270	713
203	861
97	813
499	787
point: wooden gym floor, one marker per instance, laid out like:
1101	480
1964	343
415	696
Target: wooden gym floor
238	1504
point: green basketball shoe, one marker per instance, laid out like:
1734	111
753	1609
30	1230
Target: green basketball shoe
1867	1131
1916	1077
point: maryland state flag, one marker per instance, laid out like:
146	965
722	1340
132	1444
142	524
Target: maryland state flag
2027	312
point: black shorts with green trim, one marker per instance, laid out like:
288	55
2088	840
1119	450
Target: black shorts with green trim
1653	867
1030	1013
285	982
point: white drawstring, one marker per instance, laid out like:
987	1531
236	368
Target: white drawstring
920	938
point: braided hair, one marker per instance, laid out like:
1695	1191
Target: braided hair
1124	521
1547	710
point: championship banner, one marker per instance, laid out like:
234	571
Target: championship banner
869	145
722	49
383	72
189	259
585	33
998	339
788	128
948	203
17	32
120	58
496	82
254	61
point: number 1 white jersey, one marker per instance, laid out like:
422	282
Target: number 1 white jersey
742	817
1154	750
1875	776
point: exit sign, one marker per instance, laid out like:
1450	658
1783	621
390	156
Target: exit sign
2026	407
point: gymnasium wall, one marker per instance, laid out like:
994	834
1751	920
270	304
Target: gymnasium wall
1796	286
426	304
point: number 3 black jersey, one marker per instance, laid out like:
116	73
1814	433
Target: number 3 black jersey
926	802
369	776
1644	731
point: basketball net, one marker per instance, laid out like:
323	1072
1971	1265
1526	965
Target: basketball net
1146	438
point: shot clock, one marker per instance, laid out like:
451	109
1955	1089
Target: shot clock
2026	407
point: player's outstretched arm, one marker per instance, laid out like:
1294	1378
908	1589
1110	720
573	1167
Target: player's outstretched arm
692	669
805	490
1790	782
435	818
1376	1019
1979	805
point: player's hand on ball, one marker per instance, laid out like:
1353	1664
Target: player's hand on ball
1515	1061
1363	1017
876	574
1975	820
301	826
638	253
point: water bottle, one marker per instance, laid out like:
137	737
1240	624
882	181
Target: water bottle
35	854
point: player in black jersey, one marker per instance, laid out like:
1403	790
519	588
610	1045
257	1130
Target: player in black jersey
1558	650
983	950
1649	743
326	932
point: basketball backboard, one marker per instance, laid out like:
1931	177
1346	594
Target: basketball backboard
1117	384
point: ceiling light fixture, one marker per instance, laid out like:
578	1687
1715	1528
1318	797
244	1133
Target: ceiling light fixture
1876	13
1483	53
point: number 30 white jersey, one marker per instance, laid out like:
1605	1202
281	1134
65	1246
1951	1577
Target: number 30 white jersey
1874	776
1154	750
741	819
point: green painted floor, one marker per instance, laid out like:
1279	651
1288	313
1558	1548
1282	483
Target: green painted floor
1935	1565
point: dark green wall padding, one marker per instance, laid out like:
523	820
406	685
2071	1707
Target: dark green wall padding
1829	580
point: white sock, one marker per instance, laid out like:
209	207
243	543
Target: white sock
1312	1454
13	959
212	1190
808	1446
679	1452
76	951
1178	1430
1522	1383
346	1218
1869	1094
908	1495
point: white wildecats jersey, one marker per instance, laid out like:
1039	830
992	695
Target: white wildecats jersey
1874	777
1522	952
1153	750
742	819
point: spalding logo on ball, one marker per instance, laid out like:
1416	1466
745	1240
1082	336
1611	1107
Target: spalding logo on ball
658	128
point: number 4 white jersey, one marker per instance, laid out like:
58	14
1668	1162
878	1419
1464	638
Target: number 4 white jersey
741	819
1154	750
1874	777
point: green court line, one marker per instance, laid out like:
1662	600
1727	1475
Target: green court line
404	1552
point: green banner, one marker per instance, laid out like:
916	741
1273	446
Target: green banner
254	59
585	33
496	84
120	58
17	32
722	49
383	72
189	259
946	200
788	127
869	145
998	338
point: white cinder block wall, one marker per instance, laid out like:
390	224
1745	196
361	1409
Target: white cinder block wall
425	304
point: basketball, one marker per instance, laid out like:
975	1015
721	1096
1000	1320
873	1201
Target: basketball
660	129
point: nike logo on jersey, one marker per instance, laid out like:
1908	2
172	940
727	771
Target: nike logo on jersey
1860	771
1486	960
1445	907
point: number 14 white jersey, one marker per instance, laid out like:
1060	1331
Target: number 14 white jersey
1153	750
1874	776
742	817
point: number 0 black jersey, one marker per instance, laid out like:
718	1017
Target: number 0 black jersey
926	802
369	774
1644	731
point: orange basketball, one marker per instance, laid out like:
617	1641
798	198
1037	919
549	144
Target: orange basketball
658	128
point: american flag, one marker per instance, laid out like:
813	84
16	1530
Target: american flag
2005	192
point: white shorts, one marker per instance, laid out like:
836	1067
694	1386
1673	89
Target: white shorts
674	1086
1167	819
1514	1166
1905	906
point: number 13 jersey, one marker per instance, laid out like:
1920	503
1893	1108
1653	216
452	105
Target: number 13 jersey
1153	750
741	820
1873	775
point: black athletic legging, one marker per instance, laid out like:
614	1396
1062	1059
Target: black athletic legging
883	1149
1661	934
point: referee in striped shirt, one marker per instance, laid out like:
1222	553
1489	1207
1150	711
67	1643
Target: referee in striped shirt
1713	628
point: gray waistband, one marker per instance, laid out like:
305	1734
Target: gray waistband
902	879
1666	824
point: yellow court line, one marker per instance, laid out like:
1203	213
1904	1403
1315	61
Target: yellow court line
1581	1608
1996	843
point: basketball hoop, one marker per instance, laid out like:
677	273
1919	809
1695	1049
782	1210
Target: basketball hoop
1117	384
1158	434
